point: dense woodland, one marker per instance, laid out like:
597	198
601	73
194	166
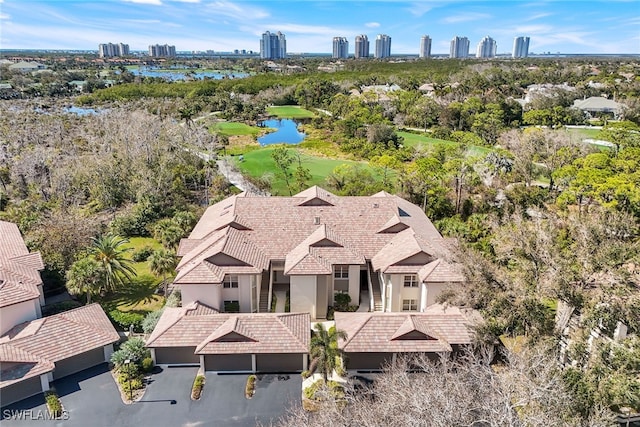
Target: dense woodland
542	222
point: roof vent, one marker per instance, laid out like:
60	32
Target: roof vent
376	205
316	220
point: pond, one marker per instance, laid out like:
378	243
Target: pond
286	132
181	74
81	111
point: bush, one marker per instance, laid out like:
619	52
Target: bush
125	319
151	320
175	299
130	385
53	404
134	349
142	254
305	374
147	364
342	301
250	389
198	385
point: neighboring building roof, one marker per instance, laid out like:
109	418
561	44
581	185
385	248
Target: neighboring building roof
434	330
310	232
32	348
211	332
597	103
19	269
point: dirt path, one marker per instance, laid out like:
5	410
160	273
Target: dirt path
233	175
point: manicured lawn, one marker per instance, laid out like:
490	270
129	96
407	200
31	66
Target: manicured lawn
137	243
415	140
581	134
258	162
235	129
290	112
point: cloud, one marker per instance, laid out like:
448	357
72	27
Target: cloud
4	16
236	11
538	16
419	9
465	17
372	24
153	2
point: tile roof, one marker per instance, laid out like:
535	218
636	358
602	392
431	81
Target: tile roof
287	229
42	342
433	330
231	333
19	269
440	271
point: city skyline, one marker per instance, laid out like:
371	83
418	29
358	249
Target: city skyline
191	25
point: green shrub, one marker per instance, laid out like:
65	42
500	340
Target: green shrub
342	301
131	385
287	303
124	320
147	364
53	403
133	349
175	299
305	374
335	388
198	385
250	388
142	254
151	320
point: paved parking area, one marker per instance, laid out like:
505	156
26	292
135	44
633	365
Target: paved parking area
92	399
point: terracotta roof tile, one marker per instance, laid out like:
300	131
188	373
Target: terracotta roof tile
230	333
19	269
438	326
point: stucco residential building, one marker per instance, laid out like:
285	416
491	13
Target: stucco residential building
381	250
33	350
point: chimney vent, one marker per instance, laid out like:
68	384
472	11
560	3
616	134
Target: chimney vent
316	220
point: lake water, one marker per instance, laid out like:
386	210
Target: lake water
81	111
286	132
182	75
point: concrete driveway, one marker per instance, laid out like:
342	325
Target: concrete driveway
92	398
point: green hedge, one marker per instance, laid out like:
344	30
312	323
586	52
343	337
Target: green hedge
125	319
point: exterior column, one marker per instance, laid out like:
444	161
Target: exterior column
305	360
393	358
108	351
253	363
44	382
202	362
153	355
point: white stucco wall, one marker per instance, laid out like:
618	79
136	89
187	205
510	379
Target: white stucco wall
15	314
244	293
354	284
303	295
207	293
435	289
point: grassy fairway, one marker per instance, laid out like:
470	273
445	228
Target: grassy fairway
415	140
290	112
235	129
258	162
580	134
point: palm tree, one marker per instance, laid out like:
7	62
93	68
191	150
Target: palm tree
109	251
85	276
162	262
324	348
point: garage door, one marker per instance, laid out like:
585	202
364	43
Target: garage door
279	362
176	355
367	361
227	362
21	390
77	363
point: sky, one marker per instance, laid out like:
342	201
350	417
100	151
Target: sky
611	26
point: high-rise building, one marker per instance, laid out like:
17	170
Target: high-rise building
459	47
108	50
162	51
362	46
273	46
520	47
425	47
340	47
486	48
383	46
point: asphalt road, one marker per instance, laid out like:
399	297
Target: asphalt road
91	398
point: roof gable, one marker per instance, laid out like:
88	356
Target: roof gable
316	196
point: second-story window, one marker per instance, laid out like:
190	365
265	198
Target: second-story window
341	272
411	281
230	282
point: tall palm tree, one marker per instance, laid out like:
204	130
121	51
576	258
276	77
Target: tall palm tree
109	251
85	276
162	262
324	348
